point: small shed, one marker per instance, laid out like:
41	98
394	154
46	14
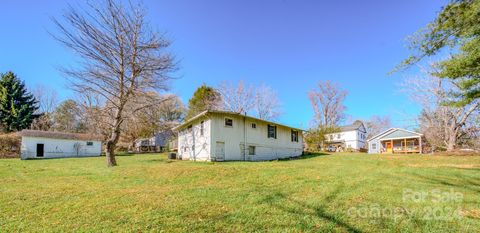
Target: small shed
396	141
46	144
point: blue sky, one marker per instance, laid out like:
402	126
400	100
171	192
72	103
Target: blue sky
286	44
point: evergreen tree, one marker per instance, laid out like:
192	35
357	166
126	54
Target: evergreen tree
17	105
204	98
456	28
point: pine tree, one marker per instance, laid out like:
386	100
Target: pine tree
204	98
456	30
17	105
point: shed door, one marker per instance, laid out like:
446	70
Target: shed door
40	150
220	151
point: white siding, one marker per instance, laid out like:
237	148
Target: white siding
241	131
58	148
353	139
230	140
192	144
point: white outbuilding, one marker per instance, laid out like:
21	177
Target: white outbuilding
46	144
228	136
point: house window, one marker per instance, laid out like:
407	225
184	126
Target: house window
189	128
254	126
201	128
374	146
228	122
89	143
338	136
272	131
251	150
294	136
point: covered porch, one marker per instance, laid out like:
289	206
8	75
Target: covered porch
410	145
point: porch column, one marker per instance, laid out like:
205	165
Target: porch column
391	143
405	145
420	144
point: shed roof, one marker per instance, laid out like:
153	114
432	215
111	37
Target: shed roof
354	126
228	113
60	135
394	133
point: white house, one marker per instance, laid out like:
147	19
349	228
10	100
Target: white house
396	140
45	144
226	136
352	136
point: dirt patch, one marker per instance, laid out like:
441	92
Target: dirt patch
474	213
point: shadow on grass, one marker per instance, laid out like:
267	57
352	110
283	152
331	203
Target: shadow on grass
460	182
61	158
281	201
160	160
121	154
305	156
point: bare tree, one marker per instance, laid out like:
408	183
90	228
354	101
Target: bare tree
46	97
376	125
239	99
93	116
442	123
267	105
121	58
172	111
48	101
145	122
327	102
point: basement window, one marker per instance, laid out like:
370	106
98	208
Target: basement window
228	122
254	126
89	143
251	150
201	128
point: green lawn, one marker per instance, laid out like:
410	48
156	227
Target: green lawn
341	192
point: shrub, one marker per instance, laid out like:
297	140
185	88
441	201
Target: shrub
10	145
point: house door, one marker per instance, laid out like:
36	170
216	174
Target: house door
388	145
220	151
40	148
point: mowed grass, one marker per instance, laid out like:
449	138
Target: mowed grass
338	192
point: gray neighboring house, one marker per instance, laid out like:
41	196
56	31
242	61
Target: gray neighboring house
158	143
395	141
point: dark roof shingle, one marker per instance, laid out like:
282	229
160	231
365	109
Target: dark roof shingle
59	135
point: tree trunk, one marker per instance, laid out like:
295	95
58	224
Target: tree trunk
112	141
110	154
452	141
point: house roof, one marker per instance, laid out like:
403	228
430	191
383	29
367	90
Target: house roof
394	133
59	135
354	126
228	113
